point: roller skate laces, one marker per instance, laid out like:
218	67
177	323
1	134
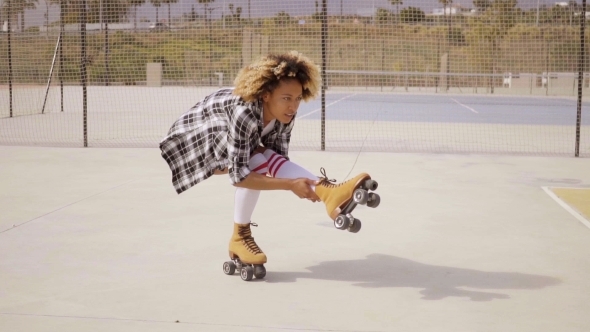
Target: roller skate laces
246	234
326	181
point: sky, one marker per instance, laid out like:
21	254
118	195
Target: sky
260	8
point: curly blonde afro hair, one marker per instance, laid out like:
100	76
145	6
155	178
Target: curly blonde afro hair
265	75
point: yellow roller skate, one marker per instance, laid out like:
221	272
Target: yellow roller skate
341	199
245	254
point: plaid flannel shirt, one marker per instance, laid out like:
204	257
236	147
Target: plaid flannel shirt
220	131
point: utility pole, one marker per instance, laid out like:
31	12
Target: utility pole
100	14
537	23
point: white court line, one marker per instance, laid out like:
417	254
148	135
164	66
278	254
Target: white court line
330	104
567	207
467	107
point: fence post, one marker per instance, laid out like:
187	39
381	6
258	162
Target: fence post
83	71
61	54
324	63
9	32
581	68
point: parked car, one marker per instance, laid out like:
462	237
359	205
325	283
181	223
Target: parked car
159	26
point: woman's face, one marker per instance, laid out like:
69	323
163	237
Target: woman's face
283	102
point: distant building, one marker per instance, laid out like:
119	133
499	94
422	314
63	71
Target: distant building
366	12
455	9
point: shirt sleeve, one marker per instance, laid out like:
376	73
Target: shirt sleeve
242	123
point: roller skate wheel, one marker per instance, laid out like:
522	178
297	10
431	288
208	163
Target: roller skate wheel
360	196
246	273
229	268
355	227
259	271
374	200
341	222
371	185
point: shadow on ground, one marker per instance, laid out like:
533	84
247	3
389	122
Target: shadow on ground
435	282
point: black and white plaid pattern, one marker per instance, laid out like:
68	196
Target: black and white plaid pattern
220	131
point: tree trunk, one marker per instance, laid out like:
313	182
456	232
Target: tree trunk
134	17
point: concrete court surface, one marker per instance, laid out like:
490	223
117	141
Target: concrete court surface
459	243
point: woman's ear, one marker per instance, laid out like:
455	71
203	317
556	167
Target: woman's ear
265	96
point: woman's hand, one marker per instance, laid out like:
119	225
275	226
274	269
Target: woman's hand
302	188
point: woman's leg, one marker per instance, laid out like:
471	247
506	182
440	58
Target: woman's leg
245	199
280	167
242	244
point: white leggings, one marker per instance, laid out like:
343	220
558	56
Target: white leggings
272	164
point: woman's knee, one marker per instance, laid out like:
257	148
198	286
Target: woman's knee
258	163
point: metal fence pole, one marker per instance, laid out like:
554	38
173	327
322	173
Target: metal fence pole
581	63
61	53
106	53
9	33
83	71
324	63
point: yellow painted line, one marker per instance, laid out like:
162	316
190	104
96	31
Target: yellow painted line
574	200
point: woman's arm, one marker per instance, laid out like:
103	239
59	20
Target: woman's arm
300	187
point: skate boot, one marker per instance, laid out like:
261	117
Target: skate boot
341	199
245	254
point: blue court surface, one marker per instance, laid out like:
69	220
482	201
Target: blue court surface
448	108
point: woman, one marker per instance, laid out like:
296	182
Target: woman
245	132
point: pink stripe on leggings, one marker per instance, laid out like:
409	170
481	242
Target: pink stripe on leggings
263	166
273	161
278	167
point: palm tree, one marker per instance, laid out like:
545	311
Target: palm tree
396	3
169	2
235	14
135	4
18	7
446	3
114	11
206	3
482	5
157	4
